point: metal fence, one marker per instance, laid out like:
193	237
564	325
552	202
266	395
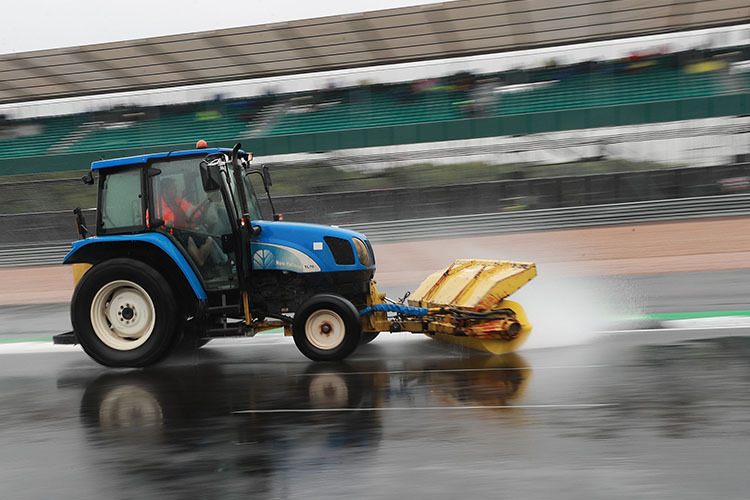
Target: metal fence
354	207
557	218
476	224
359	207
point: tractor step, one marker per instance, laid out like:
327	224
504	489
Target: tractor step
69	338
233	330
224	309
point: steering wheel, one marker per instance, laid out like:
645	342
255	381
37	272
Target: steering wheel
199	210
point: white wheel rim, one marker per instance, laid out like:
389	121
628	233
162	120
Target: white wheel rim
122	315
325	329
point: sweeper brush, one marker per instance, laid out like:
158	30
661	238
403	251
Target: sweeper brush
464	304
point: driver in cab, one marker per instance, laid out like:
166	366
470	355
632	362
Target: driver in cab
178	213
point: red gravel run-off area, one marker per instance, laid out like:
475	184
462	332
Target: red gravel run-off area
700	245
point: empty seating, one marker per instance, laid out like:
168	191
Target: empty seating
34	137
165	129
587	85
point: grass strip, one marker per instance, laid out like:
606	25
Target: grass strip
681	315
695	315
29	339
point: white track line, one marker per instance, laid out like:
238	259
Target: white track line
35	347
657	331
21	346
715	322
439	408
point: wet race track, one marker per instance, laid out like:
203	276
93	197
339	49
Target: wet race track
640	414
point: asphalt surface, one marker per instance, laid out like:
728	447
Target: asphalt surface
650	414
654	415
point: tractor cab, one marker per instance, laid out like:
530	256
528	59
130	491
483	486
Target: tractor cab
172	194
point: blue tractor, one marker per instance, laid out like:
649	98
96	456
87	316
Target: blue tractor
182	254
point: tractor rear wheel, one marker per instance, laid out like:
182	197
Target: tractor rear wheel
326	328
368	337
124	313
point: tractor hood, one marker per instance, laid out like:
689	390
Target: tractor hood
309	248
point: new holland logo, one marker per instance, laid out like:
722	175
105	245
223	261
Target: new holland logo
264	259
282	258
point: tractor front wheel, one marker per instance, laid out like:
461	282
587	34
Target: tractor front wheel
124	313
327	328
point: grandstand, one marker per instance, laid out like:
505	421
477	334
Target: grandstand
693	80
586	94
169	127
31	137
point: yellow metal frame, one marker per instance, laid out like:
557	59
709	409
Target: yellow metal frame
262	326
246	309
377	321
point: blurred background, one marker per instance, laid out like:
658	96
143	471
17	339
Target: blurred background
515	109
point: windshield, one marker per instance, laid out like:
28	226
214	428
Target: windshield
252	200
179	200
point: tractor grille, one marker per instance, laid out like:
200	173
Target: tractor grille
342	250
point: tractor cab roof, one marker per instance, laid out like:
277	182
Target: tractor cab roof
142	159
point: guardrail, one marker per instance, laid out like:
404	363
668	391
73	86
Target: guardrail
33	255
556	218
479	224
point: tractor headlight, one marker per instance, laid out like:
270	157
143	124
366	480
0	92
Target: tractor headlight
362	253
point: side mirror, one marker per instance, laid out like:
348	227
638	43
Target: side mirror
210	177
88	178
267	177
81	223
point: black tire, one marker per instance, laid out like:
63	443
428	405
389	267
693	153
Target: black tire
189	343
326	311
110	284
191	337
368	337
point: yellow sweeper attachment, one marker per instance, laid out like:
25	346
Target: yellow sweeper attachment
465	304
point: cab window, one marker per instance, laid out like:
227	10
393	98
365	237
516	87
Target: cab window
121	203
195	220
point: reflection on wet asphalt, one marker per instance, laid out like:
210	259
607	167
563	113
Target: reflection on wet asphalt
625	418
